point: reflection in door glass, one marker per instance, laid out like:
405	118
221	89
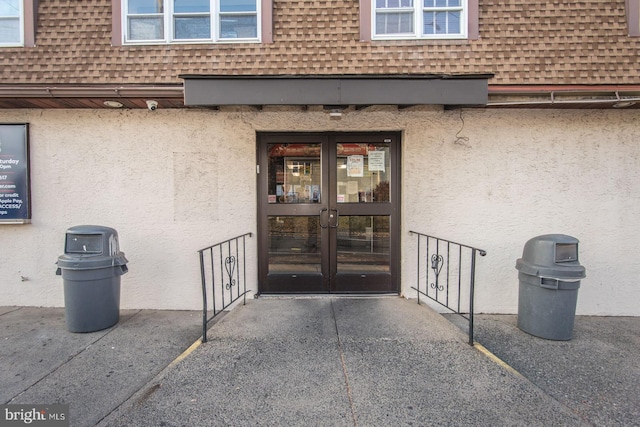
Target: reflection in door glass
294	173
294	244
364	173
363	244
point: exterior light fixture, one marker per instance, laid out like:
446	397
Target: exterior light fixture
113	104
335	111
335	114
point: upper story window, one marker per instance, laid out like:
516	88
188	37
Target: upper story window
191	21
421	19
11	23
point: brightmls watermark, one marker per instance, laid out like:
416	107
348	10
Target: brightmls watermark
34	415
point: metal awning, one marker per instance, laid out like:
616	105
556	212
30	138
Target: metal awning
215	90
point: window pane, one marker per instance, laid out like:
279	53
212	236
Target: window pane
238	6
454	23
234	27
10	8
9	30
145	6
191	6
387	4
394	23
146	29
442	23
428	24
192	27
442	3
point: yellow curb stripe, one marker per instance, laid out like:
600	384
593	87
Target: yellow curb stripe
497	360
186	353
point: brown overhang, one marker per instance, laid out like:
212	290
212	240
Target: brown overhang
406	89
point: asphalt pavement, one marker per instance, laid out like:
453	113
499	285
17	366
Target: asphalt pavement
321	362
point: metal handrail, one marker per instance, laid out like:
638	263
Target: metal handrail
231	273
459	263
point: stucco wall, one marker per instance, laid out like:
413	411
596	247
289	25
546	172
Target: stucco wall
172	182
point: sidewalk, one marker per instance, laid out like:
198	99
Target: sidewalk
596	373
42	363
321	361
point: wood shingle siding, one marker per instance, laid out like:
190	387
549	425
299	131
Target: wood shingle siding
521	42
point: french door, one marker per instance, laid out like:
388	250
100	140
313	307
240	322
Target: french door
328	209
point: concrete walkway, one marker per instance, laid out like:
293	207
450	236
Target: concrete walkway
321	362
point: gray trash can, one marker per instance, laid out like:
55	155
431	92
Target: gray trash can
91	268
549	276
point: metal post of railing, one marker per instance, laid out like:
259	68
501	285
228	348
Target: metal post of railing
204	298
244	270
213	281
222	275
418	274
471	294
459	274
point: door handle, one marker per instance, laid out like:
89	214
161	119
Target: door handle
334	224
322	223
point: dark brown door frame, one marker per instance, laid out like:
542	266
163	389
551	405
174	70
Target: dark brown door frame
330	280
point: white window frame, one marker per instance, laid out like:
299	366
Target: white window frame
168	22
418	24
20	16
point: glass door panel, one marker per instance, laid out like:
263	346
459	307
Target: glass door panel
294	173
363	173
363	244
294	245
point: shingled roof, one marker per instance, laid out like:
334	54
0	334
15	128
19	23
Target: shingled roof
522	42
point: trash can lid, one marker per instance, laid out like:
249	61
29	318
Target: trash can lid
552	256
90	247
90	262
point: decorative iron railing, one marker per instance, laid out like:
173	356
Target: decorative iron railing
223	271
446	271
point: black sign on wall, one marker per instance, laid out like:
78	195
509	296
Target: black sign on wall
15	198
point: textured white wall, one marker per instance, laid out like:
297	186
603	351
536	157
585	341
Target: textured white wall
172	182
524	173
169	182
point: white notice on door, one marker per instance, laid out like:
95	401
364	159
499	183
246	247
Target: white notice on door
376	161
355	166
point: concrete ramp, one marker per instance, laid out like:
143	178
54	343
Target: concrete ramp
338	362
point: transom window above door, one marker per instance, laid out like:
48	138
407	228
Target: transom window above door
419	19
191	21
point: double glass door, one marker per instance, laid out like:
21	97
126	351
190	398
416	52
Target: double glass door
328	212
